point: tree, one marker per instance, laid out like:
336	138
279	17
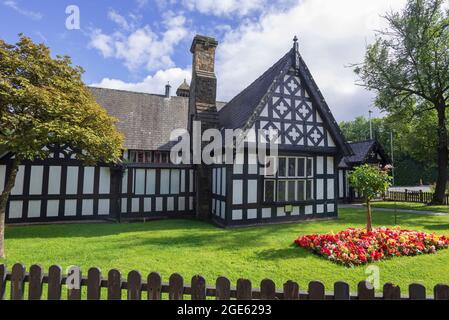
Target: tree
407	67
369	181
43	102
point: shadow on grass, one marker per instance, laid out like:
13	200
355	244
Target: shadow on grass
291	252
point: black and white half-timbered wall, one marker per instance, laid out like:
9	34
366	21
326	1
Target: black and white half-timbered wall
284	104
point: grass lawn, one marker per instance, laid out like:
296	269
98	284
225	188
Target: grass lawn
409	206
192	247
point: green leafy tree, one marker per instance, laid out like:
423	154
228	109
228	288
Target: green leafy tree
369	181
407	66
43	102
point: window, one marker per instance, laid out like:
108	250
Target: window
270	194
292	181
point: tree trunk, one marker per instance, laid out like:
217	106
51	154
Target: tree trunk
442	159
369	227
11	179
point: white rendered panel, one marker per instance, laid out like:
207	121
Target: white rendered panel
72	180
174	183
70	208
124	205
223	181
151	181
135	205
183	180
340	183
170	203
88	207
147	204
237	191
319	165
266	212
252	191
319	189
251	214
15	209
103	207
18	186
36	175
223	209
88	183
34	209
165	181
140	181
330	189
237	215
182	203
105	181
54	180
52	208
330	165
158	204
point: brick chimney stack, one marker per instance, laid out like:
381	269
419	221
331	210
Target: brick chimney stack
202	107
203	87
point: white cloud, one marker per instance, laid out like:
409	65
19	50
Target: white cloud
142	47
30	14
118	19
332	34
224	7
152	83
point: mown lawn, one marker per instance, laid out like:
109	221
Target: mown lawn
192	247
410	206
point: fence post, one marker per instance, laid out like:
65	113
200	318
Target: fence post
406	195
154	283
441	292
198	287
244	289
74	284
175	287
291	290
114	285
17	281
391	292
223	288
421	199
93	284
316	290
341	291
54	282
365	291
35	282
417	292
134	285
2	281
267	290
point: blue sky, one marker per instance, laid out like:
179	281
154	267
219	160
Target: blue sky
141	44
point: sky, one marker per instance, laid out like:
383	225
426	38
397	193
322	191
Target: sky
140	45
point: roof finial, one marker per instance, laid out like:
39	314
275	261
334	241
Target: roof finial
295	42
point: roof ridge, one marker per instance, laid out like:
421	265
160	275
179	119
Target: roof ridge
135	92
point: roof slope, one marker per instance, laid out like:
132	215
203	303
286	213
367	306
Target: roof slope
236	112
146	120
361	150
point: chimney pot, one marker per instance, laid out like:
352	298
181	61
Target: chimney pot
167	90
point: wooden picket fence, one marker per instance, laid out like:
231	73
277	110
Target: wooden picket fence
153	288
412	196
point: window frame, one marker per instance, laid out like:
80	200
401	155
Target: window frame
307	180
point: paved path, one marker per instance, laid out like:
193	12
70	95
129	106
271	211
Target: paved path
360	206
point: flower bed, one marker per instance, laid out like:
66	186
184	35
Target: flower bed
352	247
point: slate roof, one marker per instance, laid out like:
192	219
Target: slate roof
146	120
361	150
236	112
